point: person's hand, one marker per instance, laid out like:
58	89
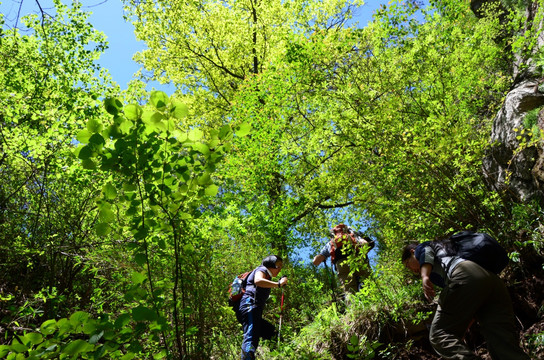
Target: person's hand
428	288
283	281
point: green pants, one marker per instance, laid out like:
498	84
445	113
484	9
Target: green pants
475	293
350	282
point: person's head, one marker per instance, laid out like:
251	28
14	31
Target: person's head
273	263
409	258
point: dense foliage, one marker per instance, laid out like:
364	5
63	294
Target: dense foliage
125	215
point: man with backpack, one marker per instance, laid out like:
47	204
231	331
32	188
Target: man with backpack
250	312
470	292
343	242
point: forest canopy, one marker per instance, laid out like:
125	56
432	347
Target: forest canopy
126	213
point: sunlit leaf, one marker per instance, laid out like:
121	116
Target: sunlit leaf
180	110
159	100
195	134
133	112
212	190
83	136
243	129
94	126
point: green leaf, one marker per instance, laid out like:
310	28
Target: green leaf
105	214
126	126
204	179
130	187
192	330
185	216
85	153
142	313
77	347
133	112
97	139
65	326
195	134
96	337
19	348
180	110
4	350
225	132
212	190
78	318
33	338
243	129
48	327
138	278
102	229
202	148
109	191
113	105
122	321
354	340
94	126
88	164
159	100
140	259
83	136
156	117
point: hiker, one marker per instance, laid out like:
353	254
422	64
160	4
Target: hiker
337	249
470	292
257	291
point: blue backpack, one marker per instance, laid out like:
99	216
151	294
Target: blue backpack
480	248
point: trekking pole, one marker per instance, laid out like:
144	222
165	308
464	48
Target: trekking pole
281	316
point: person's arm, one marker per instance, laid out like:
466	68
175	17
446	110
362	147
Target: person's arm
318	259
428	287
263	282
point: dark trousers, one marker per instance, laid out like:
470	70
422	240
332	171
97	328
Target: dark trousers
255	328
475	293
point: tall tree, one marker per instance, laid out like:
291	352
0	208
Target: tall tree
210	50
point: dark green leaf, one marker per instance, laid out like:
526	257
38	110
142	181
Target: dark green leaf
113	105
142	313
85	153
97	139
76	347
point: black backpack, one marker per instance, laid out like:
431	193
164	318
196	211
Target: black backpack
480	248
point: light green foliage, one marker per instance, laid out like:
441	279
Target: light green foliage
49	85
402	134
161	181
209	48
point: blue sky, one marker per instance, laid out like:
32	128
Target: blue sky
107	16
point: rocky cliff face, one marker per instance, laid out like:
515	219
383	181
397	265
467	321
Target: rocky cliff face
519	173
